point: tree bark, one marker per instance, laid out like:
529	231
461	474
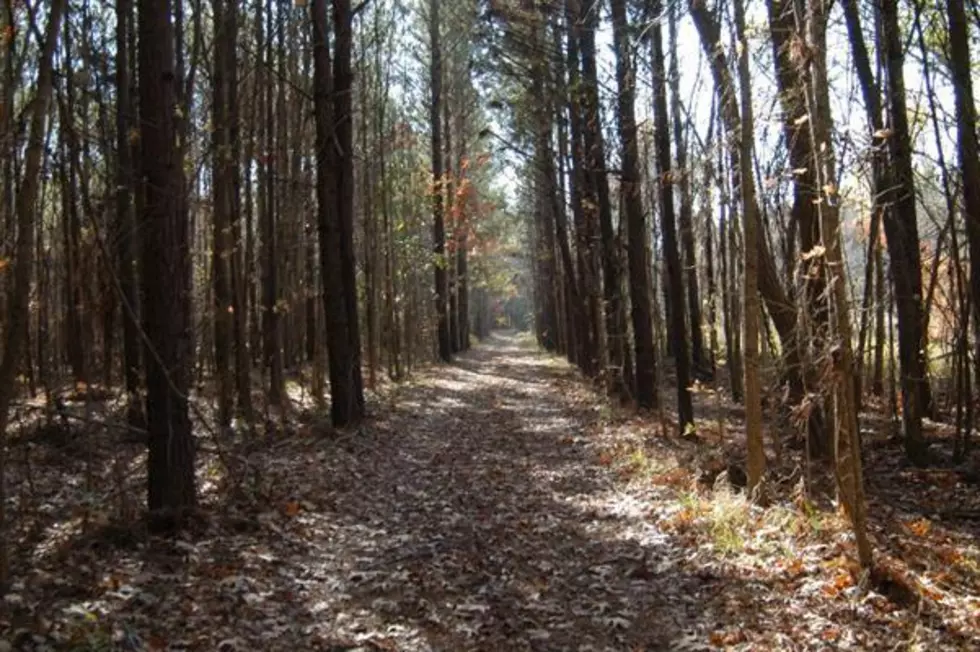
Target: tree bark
682	174
850	474
221	217
675	287
124	240
902	233
25	212
335	210
615	323
438	218
164	273
960	67
751	241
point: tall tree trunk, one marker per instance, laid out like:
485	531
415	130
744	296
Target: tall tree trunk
616	334
164	272
333	199
449	209
751	242
271	329
779	305
593	357
343	78
75	279
850	475
545	189
575	301
221	221
239	306
902	233
17	317
880	170
707	207
668	227
791	81
878	363
438	217
683	177
960	67
370	227
125	251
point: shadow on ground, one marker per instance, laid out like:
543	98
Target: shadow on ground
472	513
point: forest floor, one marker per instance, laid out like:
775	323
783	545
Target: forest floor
493	504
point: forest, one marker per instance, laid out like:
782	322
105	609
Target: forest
489	325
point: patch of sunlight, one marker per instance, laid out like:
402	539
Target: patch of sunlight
448	402
58	534
300	395
730	520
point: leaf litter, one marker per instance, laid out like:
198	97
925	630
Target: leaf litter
494	504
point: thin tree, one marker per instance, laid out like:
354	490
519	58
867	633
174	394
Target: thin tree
25	212
438	217
221	191
125	252
960	68
739	125
668	227
902	233
850	476
702	362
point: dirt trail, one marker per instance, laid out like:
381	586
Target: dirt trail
478	508
477	517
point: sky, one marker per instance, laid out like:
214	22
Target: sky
696	89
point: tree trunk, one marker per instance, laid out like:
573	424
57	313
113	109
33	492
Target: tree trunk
960	68
779	305
449	208
683	177
344	172
791	81
438	223
335	209
221	221
124	239
239	306
751	242
707	206
878	362
616	334
271	329
668	228
17	317
164	273
850	474
593	356
901	231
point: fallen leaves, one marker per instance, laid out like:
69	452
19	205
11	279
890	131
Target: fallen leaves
496	505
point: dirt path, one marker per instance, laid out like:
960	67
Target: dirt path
477	509
476	517
469	513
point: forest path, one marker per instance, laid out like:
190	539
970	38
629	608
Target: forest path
477	516
496	503
472	510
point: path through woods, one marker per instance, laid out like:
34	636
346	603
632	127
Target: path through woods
477	510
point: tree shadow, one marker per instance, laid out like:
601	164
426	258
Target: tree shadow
470	516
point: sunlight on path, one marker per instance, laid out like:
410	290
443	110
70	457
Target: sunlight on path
482	522
474	511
